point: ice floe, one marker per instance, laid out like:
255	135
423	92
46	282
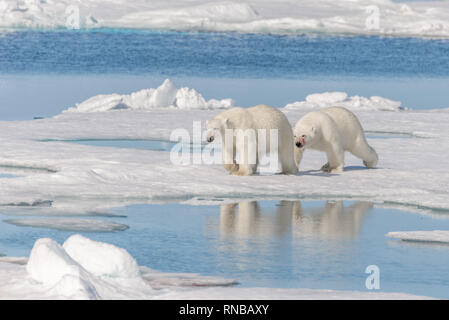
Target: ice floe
332	99
410	171
72	224
433	236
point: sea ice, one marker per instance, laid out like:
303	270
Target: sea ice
435	236
86	269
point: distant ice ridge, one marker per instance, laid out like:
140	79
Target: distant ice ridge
372	17
332	99
164	96
85	269
168	96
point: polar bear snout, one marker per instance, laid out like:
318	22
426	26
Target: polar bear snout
300	142
210	139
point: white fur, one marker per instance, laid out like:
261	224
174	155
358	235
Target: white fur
258	117
333	130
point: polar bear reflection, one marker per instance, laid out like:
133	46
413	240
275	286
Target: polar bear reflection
334	220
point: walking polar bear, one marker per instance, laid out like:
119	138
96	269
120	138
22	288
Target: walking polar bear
255	118
333	130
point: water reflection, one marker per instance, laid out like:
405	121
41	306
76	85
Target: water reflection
334	220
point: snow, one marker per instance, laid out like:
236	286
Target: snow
85	269
366	17
164	96
434	236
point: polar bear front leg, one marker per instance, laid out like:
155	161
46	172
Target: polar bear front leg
245	170
335	158
231	168
228	157
298	153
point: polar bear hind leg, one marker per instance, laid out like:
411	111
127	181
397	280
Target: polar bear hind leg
246	148
287	159
365	152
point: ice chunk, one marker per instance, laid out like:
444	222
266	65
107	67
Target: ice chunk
50	265
326	98
98	103
190	99
101	259
438	236
159	279
166	95
341	99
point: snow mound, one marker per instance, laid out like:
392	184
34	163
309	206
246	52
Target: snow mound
437	236
101	259
341	99
85	269
82	268
50	265
164	96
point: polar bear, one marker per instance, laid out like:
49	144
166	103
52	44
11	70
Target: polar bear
230	125
333	130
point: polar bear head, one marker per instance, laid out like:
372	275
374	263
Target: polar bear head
305	134
216	128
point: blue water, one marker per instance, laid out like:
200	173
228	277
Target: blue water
311	244
45	72
230	55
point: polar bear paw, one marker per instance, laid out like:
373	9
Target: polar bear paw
369	164
329	169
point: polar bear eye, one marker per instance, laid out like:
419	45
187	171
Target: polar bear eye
303	136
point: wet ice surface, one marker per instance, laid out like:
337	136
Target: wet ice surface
155	145
387	135
280	244
7	175
161	145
